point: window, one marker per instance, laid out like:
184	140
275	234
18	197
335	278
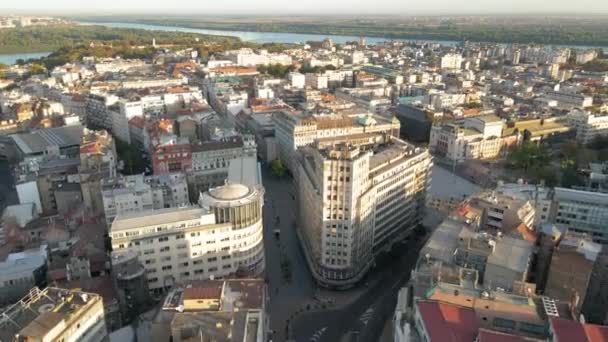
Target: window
164	238
532	328
166	268
212	259
179	236
226	267
165	249
212	269
504	323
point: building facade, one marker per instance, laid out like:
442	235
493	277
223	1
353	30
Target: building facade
356	201
222	238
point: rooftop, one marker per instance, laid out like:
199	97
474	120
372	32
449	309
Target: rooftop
38	141
447	322
156	217
41	311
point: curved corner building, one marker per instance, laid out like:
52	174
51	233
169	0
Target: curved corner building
357	197
223	237
240	206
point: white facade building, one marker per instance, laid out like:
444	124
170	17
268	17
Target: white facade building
588	126
451	61
222	238
477	138
139	193
356	201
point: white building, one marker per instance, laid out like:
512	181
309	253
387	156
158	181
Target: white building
477	138
451	61
297	80
138	193
357	198
222	238
588	126
21	271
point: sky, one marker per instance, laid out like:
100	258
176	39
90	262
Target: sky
333	7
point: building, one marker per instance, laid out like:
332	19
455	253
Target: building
564	330
476	138
356	201
63	141
569	100
172	158
131	283
212	310
582	212
451	61
223	237
211	161
415	122
571	268
588	126
138	193
55	314
294	129
21	271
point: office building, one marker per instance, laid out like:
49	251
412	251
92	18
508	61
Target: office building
356	201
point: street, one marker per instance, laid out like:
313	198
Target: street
314	314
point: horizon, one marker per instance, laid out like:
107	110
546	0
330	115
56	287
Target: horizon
395	8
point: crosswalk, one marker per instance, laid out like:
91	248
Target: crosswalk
366	316
317	335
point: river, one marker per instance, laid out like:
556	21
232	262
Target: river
256	37
12	58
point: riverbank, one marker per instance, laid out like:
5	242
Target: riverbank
376	32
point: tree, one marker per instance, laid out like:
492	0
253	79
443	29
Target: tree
37	69
528	155
277	168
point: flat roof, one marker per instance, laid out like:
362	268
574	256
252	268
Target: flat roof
156	217
38	141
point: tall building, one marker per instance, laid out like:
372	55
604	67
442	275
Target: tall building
357	200
223	238
55	314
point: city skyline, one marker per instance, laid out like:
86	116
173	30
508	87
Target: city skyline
276	7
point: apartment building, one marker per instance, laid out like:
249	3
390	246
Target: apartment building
138	193
357	200
588	126
297	129
476	138
223	237
55	314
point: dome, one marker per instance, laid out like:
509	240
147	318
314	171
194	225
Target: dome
229	192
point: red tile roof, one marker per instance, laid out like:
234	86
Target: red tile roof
448	323
213	290
566	330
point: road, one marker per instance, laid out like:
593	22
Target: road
364	318
297	293
354	315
